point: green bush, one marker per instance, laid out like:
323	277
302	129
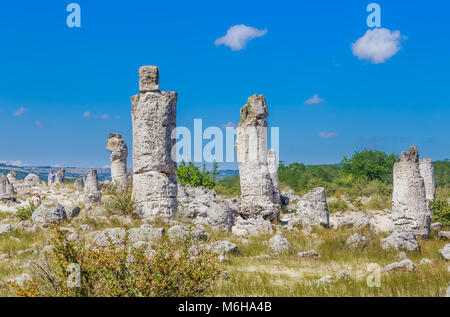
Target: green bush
189	174
25	213
441	211
229	186
370	165
119	201
119	271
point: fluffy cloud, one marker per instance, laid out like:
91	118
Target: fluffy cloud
19	111
327	135
378	45
88	114
238	36
38	123
314	100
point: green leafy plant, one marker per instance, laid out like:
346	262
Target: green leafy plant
25	213
189	174
441	211
119	201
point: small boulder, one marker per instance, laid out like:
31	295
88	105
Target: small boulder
445	251
425	262
32	180
224	247
356	240
110	236
278	244
79	183
6	228
73	212
405	265
436	226
21	280
308	254
401	241
444	235
47	214
178	233
146	233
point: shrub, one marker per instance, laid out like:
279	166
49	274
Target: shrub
229	186
120	201
370	165
192	175
25	213
441	211
337	205
118	271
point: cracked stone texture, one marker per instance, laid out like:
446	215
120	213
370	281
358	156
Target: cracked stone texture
12	176
257	189
91	188
427	172
32	180
47	214
6	188
312	208
119	153
154	165
410	211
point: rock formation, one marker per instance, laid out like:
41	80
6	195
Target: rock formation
312	208
79	183
31	180
154	167
410	211
257	189
91	188
11	176
6	189
119	153
427	172
49	214
273	170
60	176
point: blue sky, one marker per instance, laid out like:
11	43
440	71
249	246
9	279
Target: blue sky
51	75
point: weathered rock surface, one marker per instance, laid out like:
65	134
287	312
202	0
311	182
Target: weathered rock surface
427	172
224	247
154	164
6	189
410	211
6	228
401	241
60	177
146	233
308	254
47	214
110	236
11	176
436	226
79	183
119	153
278	244
257	189
445	251
405	265
73	212
356	240
32	180
312	208
252	227
91	188
444	235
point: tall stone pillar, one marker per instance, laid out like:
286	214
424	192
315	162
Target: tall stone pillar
410	211
427	172
91	189
154	119
119	153
257	190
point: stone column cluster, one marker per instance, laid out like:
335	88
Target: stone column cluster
410	211
259	182
119	153
154	168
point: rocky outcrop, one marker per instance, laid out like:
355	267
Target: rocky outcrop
119	153
356	240
91	188
410	211
6	189
401	241
257	189
405	265
32	180
278	244
427	172
154	164
252	226
79	183
12	176
445	252
60	177
312	208
47	214
204	207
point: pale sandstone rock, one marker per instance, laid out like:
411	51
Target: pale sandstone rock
410	211
308	254
32	180
110	236
50	213
6	228
6	189
401	241
425	262
444	235
278	244
445	251
119	153
312	208
405	265
356	240
146	233
91	188
252	226
12	176
427	172
154	165
79	183
257	190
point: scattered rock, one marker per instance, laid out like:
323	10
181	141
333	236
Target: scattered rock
401	241
20	280
6	189
119	153
308	254
312	208
224	247
324	281
178	233
436	226
32	180
425	262
357	240
110	236
6	228
73	212
252	227
405	265
145	233
402	256
79	183
50	213
278	244
445	251
444	235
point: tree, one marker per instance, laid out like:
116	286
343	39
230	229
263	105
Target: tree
189	174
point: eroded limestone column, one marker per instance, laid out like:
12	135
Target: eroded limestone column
91	188
6	189
119	153
410	211
154	168
427	172
257	189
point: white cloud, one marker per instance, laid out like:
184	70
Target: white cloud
238	36
19	111
105	116
38	123
314	100
327	135
86	114
378	45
